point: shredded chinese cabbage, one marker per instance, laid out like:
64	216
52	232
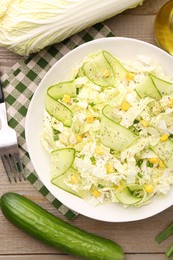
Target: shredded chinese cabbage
27	26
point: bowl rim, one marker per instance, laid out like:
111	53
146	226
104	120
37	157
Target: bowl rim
42	85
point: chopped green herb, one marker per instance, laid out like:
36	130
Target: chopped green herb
139	175
93	160
136	121
171	136
169	251
75	100
139	162
165	234
82	156
92	104
56	134
134	130
149	164
56	137
77	91
100	186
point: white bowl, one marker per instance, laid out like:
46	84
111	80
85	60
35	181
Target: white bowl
123	48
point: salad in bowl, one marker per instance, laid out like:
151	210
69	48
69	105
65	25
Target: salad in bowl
108	130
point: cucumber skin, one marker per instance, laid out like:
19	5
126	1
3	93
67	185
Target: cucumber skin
33	219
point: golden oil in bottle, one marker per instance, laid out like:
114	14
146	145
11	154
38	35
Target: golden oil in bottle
163	27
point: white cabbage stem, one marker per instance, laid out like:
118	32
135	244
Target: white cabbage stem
27	26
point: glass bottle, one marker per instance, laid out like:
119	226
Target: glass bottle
163	27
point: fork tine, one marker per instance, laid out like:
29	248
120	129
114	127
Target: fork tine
8	167
21	166
18	166
11	165
3	159
17	172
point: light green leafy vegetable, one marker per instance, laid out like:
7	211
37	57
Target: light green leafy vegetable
27	26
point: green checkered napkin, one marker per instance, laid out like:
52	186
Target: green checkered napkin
19	86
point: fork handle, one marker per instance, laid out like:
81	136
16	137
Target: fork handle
3	114
1	94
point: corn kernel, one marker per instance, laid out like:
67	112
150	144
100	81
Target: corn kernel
90	119
171	103
99	150
130	76
106	74
110	168
66	98
153	160
125	106
74	179
96	193
79	138
120	187
164	137
144	123
161	164
149	188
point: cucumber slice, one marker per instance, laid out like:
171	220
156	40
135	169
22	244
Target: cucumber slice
96	68
130	194
164	151
60	181
59	90
58	111
112	134
61	161
147	88
119	71
163	86
111	113
80	73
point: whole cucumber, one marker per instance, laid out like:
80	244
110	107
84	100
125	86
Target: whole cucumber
33	219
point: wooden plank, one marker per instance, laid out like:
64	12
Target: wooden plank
146	257
67	257
149	7
123	26
7	60
36	257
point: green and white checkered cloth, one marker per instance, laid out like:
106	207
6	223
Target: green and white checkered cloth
19	86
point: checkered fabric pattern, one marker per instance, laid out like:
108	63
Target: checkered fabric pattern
19	86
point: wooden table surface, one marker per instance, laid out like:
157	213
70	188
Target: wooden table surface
136	238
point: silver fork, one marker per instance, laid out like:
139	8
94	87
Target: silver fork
9	150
